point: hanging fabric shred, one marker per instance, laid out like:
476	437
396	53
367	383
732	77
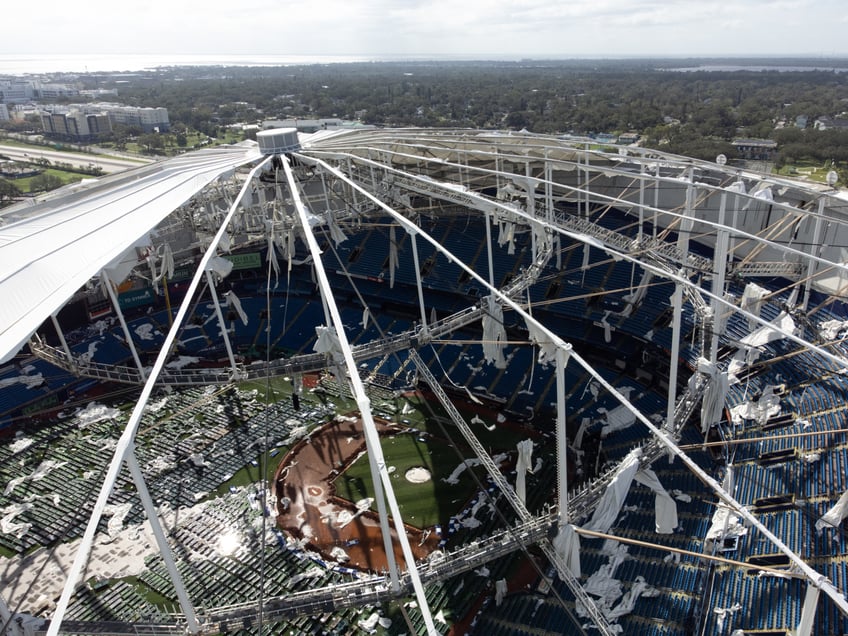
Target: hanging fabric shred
752	301
567	546
523	466
613	498
167	266
282	243
336	232
154	278
737	187
712	406
547	348
510	237
224	243
607	327
167	261
542	238
500	591
665	508
235	304
834	517
635	297
328	343
764	193
494	334
220	266
271	257
365	315
290	249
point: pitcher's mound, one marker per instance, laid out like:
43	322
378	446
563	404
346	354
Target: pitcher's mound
417	475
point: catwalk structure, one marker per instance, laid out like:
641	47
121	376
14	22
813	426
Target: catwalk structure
663	334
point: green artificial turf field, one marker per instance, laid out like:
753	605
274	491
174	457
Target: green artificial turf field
434	501
421	505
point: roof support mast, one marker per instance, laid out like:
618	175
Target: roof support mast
61	335
720	264
110	289
686	224
815	247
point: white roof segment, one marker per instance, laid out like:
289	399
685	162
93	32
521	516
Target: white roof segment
52	250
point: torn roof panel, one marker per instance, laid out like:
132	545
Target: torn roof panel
51	250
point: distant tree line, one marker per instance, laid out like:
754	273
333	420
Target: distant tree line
696	113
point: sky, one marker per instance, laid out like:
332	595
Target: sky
466	29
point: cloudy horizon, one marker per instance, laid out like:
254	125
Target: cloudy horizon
438	29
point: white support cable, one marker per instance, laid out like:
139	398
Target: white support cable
479	144
818	579
379	495
641	202
372	438
125	441
656	209
549	189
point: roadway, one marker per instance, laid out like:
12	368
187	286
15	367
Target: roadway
108	164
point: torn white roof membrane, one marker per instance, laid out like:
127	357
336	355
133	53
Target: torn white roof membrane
665	508
775	330
836	515
615	494
51	250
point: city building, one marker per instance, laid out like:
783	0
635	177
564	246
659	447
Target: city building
87	122
16	90
304	125
54	91
149	119
830	123
76	125
71	125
